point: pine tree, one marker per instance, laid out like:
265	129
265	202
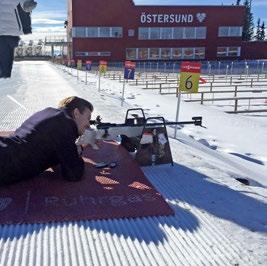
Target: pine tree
258	32
238	2
262	33
248	24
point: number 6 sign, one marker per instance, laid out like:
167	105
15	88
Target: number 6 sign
189	77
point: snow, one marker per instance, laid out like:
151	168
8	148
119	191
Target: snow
224	134
201	186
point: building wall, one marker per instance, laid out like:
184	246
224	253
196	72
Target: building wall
124	13
254	50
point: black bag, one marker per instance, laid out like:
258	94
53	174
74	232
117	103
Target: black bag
25	18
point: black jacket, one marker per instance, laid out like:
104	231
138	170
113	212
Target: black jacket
46	139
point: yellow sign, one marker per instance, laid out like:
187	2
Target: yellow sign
79	64
103	69
189	77
103	66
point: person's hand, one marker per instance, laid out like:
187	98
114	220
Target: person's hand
29	5
88	138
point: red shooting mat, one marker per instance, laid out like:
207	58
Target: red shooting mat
107	193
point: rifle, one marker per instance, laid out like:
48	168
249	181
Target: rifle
133	127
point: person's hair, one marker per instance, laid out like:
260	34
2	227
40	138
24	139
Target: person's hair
70	103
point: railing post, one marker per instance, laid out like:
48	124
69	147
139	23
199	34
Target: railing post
236	101
251	83
235	95
202	97
211	85
146	84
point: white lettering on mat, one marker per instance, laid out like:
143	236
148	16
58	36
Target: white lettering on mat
113	201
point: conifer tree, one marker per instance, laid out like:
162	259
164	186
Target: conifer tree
258	31
262	35
248	24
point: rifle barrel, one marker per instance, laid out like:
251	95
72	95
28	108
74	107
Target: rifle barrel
195	120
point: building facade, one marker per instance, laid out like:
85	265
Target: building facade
118	30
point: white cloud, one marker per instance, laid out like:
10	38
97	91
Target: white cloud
46	21
46	24
49	14
45	32
49	29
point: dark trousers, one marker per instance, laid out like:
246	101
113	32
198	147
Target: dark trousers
6	166
7	47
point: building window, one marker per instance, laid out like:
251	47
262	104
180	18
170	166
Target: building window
235	31
81	54
143	53
97	32
178	33
177	53
166	33
131	54
169	33
189	33
104	32
221	51
154	53
228	51
166	53
92	53
188	53
234	51
200	53
230	31
223	31
154	33
80	32
201	32
130	33
143	33
92	32
116	32
105	53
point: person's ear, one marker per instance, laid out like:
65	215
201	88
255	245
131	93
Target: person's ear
76	113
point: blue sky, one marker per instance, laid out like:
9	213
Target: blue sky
50	15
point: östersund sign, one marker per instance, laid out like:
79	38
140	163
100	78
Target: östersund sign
171	18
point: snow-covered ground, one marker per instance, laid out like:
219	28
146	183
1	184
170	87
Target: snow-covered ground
218	220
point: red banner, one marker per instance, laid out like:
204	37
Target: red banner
102	62
129	64
191	67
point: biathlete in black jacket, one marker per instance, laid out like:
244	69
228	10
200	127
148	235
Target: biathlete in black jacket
44	140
